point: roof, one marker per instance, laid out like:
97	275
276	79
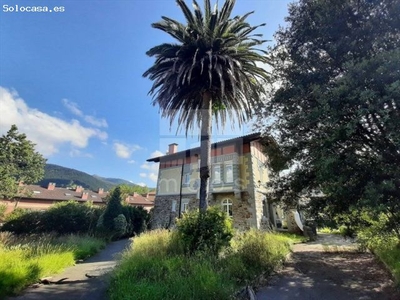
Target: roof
65	194
185	153
141	200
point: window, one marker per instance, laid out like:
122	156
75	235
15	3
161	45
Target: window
228	172
185	205
217	174
186	178
227	206
173	209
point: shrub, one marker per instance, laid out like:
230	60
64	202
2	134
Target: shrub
68	217
209	231
24	222
120	225
137	218
62	218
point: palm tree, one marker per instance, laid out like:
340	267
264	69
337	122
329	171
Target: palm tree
211	71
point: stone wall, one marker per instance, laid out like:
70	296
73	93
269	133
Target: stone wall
242	213
163	216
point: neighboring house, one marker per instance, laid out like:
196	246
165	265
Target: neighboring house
41	198
237	184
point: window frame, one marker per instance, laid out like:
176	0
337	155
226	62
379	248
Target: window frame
214	167
226	165
227	205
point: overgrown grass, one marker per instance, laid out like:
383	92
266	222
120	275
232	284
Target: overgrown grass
328	230
157	268
23	260
385	246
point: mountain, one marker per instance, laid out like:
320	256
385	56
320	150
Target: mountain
65	177
114	181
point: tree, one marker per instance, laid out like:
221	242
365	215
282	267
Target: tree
19	162
211	71
337	110
113	209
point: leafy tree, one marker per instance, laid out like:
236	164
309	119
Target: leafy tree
127	190
336	112
211	70
19	162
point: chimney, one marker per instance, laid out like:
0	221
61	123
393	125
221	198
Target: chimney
85	195
78	189
172	148
51	186
100	191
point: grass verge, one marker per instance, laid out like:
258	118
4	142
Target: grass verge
156	267
386	246
24	260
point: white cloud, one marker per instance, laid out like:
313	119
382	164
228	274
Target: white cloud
96	122
131	161
74	109
141	184
124	150
156	153
153	177
78	153
47	132
152	170
150	166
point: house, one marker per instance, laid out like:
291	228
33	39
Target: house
36	197
238	173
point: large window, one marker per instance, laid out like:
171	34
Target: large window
228	172
227	206
217	174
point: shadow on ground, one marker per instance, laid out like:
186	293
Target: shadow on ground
326	270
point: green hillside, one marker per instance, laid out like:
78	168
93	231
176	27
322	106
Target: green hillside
66	177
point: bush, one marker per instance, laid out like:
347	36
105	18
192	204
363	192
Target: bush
24	222
209	231
62	218
120	225
137	218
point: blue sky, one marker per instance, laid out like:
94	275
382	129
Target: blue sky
72	81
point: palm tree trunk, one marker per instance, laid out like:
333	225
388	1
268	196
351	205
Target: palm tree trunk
205	150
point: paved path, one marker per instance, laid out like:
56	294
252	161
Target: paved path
330	269
78	285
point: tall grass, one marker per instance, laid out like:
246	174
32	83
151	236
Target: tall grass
23	260
157	268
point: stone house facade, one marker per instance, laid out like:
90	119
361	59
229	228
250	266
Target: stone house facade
237	184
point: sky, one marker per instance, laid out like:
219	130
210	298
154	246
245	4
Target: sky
72	81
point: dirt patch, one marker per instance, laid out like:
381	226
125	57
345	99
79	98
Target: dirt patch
330	268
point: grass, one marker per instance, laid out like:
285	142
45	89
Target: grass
156	267
328	230
24	260
387	249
